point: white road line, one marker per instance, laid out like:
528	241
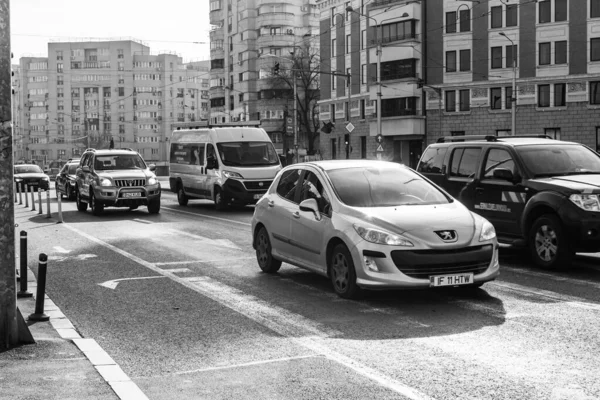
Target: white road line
279	320
248	364
204	261
214	242
205	216
562	298
143	221
552	277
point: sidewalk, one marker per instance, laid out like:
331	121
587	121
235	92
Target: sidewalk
60	364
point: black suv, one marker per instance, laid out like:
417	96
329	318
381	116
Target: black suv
536	191
115	178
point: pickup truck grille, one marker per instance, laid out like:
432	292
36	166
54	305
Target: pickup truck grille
130	182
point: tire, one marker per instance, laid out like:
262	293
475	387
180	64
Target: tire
154	206
81	206
343	274
548	243
220	202
56	190
182	198
69	192
265	259
96	207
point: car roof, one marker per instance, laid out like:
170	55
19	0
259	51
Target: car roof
505	141
329	165
26	165
104	152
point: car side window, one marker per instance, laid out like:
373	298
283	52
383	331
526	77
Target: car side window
464	162
498	158
286	187
432	160
84	160
312	188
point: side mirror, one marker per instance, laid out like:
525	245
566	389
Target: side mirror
152	167
504	174
211	163
310	205
85	168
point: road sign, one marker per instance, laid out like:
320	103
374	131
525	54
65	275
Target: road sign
349	127
380	148
379	139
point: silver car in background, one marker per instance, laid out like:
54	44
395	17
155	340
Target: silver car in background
371	225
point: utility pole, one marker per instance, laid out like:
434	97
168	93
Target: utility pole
9	333
513	100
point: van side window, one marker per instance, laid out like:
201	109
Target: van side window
210	151
498	158
464	162
197	154
286	187
432	160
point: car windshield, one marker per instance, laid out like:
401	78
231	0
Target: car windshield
72	169
384	187
566	159
249	154
27	169
118	161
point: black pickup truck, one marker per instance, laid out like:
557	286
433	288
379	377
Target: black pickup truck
536	191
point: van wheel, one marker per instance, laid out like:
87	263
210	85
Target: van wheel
81	206
220	202
549	245
182	198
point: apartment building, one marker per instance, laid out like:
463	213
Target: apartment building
248	38
86	93
555	47
351	33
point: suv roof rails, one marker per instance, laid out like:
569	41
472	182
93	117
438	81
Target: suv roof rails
489	138
90	149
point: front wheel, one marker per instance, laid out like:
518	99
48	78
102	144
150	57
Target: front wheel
96	206
182	198
154	206
220	201
343	274
81	206
69	192
549	245
265	259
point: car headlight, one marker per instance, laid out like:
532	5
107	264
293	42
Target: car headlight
487	232
381	237
152	180
229	174
105	182
18	179
45	178
588	202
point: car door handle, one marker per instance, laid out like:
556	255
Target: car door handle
271	203
296	214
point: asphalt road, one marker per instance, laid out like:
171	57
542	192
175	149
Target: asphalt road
178	301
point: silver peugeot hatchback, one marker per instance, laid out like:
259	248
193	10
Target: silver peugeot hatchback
371	225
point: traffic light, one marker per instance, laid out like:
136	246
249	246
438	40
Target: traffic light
327	127
420	83
276	69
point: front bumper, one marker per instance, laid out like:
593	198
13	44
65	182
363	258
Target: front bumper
236	191
394	267
583	228
112	196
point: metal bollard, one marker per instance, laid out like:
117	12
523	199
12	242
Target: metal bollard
60	218
41	291
19	190
26	187
48	204
32	199
40	201
23	274
15	191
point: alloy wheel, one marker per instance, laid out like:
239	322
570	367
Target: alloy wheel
340	272
546	243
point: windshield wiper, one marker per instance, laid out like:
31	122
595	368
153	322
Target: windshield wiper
587	172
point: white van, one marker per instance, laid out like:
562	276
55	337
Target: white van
228	164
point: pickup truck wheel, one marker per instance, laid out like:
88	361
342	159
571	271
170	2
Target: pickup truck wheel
182	198
81	206
549	245
96	207
154	206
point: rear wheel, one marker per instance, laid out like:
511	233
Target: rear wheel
343	274
265	259
96	206
154	206
549	245
220	202
81	206
69	192
182	198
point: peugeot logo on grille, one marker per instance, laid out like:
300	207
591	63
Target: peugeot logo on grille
447	236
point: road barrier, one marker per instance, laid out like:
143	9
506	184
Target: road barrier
40	201
60	217
23	273
41	291
26	187
32	198
19	191
48	215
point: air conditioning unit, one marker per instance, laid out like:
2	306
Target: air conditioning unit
304	8
135	118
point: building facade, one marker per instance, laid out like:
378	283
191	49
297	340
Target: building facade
351	33
86	93
247	39
555	46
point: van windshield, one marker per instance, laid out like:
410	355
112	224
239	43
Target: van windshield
247	154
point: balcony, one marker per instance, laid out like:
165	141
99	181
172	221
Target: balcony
279	40
274	18
216	17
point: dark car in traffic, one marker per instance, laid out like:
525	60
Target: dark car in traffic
65	180
30	175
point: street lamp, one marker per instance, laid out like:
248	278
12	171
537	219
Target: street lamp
513	99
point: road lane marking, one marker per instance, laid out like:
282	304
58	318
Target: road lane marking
178	270
275	318
248	364
112	284
204	261
561	298
214	242
61	250
143	221
553	277
206	216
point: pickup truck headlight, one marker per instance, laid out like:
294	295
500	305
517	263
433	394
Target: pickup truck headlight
230	174
381	237
18	180
152	180
105	182
588	202
487	232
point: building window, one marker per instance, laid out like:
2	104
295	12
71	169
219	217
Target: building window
465	20
510	51
554	133
465	100
544	53
543	95
560	10
496	98
595	92
120	53
595	49
399	107
465	60
544	12
560	52
496	57
362	109
497	17
59	67
457	133
594	8
512	15
332	112
348	44
363	147
508	97
59	55
560	95
333	45
397	31
363	74
363	39
598	139
451	22
451	61
333	82
450	100
121	91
